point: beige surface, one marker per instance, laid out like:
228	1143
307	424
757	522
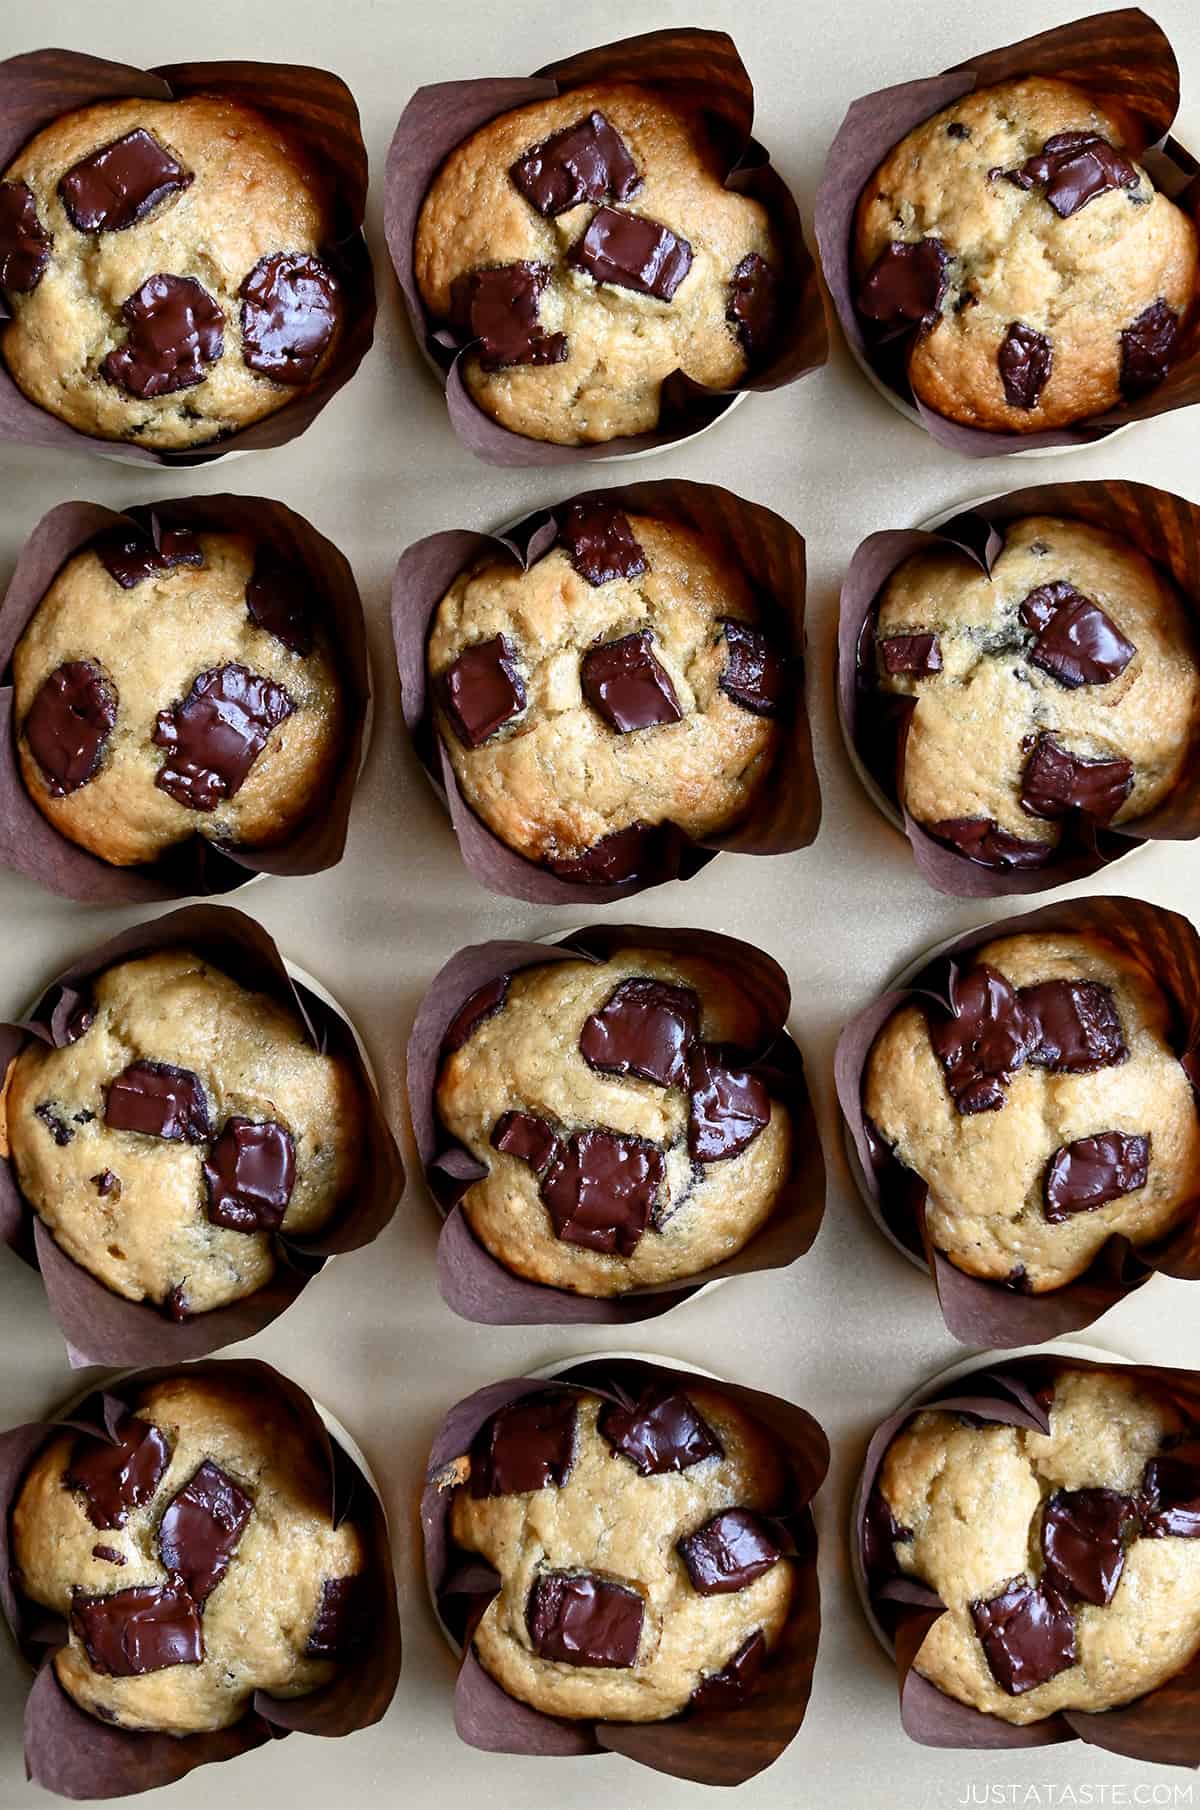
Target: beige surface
853	1328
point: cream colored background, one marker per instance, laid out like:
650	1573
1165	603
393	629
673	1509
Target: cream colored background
852	1328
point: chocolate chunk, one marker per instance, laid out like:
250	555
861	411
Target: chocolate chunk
200	1530
916	654
1057	782
109	1554
600	1188
249	1173
277	601
624	683
983	1040
176	1305
117	1475
24	242
68	725
599	543
81	1019
1077	1024
1091	1172
141	1630
588	161
882	1533
624	855
577	1618
130	555
729	1552
632	252
1077	644
105	1182
1027	1633
483	690
1042	604
734	1682
54	1122
485	1002
1082	1543
499	309
160	1101
645	1028
83	1116
906	285
1148	348
1073	168
1025	361
982	840
1170	1501
118	185
663	1431
290	308
755	673
344	1617
727	1107
753	304
174	331
529	1445
216	734
524	1135
956	129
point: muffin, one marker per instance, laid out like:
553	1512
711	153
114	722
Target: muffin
174	684
163	264
1064	685
1069	1562
1041	277
639	1571
1042	1105
193	1558
183	1125
621	688
584	249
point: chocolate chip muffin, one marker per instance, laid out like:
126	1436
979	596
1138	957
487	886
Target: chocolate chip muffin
184	1123
193	1558
1042	1104
1041	276
1069	1562
626	1141
162	261
585	248
623	686
173	685
640	1572
1062	687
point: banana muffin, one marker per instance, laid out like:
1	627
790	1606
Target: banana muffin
586	247
183	1124
193	1558
162	264
1069	1562
1040	276
626	1140
173	685
1063	686
1042	1105
640	1571
624	686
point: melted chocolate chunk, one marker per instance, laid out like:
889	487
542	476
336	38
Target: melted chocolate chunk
343	1619
645	1028
632	252
1025	361
115	1476
1073	168
624	855
216	734
755	673
54	1122
277	601
200	1530
600	544
529	1445
600	1188
499	308
729	1552
141	1630
734	1682
916	654
524	1135
290	308
1057	782
663	1431
1027	1634
624	683
588	161
109	1554
160	1101
578	1618
882	1533
249	1174
984	1039
483	690
1077	1024
68	725
81	1019
105	1182
485	1002
1170	1499
24	242
906	285
982	840
130	555
175	329
1091	1172
117	186
1077	644
727	1107
753	304
1148	348
956	129
176	1305
1082	1543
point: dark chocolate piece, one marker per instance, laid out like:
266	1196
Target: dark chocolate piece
56	1125
117	186
916	654
734	1682
1077	644
1148	347
68	725
159	1100
1025	361
622	856
1082	1542
1073	168
1170	1499
201	1527
1057	782
727	1107
131	555
956	129
498	307
578	1618
755	673
105	1182
344	1617
215	734
645	1028
983	1040
753	304
982	840
176	1305
24	242
599	542
882	1533
175	329
141	1630
588	161
524	1135
277	601
529	1445
80	1020
625	684
1027	1634
485	1002
249	1173
109	1554
1093	1171
729	1551
483	690
1078	1027
600	1188
662	1431
117	1475
290	308
906	285
632	252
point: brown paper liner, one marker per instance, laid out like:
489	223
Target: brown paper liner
716	1748
1164	1725
984	1313
29	842
473	1282
75	1755
1124	61
698	68
786	812
101	1327
315	107
1163	527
